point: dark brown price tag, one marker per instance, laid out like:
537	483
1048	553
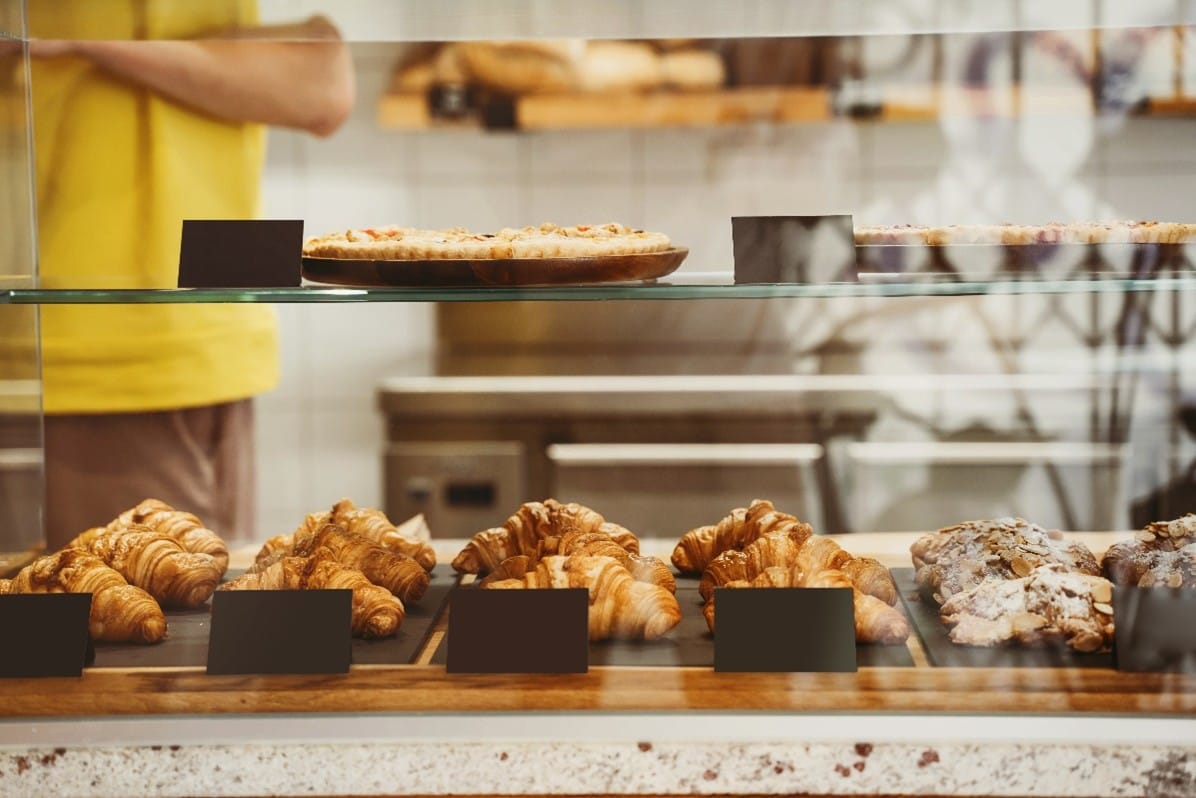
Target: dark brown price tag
281	631
518	631
1155	629
789	629
241	253
793	249
44	634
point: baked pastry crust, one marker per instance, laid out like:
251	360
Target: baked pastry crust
546	241
1049	606
1111	232
961	557
1161	555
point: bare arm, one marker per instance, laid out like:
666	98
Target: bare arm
305	84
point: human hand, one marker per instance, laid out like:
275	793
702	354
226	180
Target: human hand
54	48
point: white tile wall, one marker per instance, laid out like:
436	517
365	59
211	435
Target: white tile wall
319	434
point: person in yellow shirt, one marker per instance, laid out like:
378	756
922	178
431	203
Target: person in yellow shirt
146	113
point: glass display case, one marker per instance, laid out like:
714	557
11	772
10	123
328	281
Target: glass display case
953	328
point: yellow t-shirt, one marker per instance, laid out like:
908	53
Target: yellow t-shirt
118	170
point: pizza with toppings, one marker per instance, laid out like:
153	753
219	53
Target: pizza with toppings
545	241
1117	232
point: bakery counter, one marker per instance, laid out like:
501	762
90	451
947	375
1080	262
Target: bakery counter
601	754
918	729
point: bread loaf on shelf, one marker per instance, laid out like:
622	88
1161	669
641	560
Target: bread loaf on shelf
522	67
692	70
620	607
376	612
120	612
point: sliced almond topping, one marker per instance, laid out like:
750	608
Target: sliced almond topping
1027	622
1107	609
1102	591
1144	536
1021	566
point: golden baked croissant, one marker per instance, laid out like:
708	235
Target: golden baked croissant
810	554
374	525
157	564
875	621
698	547
536	529
619	606
120	612
651	570
376	613
396	572
600	544
183	527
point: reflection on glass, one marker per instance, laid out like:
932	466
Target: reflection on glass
20	387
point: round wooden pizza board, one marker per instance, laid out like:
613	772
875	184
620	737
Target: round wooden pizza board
497	272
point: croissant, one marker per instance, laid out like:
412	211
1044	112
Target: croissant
183	527
396	572
773	549
376	613
120	612
697	548
374	525
157	564
599	544
875	621
809	554
619	606
537	528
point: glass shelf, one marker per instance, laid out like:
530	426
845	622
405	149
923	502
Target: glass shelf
446	20
720	287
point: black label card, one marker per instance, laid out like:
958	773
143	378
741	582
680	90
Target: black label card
44	634
518	631
1155	629
793	249
280	631
791	629
241	253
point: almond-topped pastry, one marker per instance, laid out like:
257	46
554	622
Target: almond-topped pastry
545	241
963	556
1049	606
1161	555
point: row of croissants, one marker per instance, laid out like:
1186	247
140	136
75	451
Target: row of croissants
550	544
154	556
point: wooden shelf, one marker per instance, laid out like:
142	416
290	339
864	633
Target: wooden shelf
780	105
416	688
657	109
424	687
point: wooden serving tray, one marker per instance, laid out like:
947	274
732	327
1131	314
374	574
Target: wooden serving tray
690	644
186	644
509	272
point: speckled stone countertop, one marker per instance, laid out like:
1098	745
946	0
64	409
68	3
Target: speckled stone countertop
613	754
